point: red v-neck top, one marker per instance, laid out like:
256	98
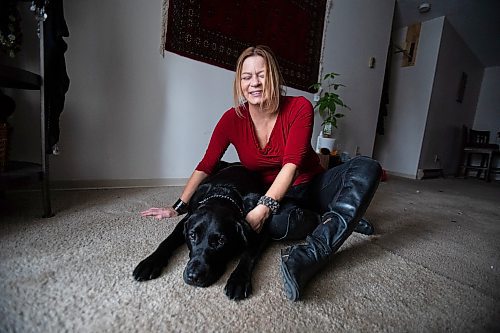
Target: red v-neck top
289	142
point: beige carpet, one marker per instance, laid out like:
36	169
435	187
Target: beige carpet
433	266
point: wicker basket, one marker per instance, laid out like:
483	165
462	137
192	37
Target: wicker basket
4	145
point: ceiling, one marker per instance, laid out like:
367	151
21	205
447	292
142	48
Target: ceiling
476	21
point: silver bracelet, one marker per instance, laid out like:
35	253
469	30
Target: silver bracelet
272	204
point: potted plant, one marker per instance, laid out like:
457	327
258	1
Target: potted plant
329	103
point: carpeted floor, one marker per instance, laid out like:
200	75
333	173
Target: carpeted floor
433	266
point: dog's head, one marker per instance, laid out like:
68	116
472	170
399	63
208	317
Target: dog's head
214	234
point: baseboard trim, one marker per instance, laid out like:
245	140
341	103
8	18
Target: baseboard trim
115	183
400	174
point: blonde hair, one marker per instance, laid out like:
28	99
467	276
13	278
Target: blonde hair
273	87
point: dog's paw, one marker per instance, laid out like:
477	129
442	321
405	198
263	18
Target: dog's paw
148	269
238	287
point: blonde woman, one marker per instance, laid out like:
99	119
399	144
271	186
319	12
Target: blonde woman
272	134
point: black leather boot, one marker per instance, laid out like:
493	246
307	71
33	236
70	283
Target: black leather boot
300	263
364	227
302	222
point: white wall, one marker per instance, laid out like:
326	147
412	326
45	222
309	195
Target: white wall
487	116
443	132
410	90
131	114
358	30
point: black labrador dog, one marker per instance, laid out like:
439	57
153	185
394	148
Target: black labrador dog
215	230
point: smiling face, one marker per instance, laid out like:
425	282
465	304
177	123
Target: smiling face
258	80
253	78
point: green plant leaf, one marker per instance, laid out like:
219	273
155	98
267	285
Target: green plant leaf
337	85
315	86
329	101
330	75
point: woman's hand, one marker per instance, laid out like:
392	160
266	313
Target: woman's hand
160	213
257	216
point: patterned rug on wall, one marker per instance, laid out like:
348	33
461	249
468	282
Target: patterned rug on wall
217	31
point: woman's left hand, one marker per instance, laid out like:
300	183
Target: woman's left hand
257	216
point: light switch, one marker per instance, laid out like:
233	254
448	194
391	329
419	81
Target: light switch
371	63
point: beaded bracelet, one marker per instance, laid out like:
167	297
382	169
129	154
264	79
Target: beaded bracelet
180	207
272	204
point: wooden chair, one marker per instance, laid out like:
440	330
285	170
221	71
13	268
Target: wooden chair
478	153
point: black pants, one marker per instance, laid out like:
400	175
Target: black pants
301	208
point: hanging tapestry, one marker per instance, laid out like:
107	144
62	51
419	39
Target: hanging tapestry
217	31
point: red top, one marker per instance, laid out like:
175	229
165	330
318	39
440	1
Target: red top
290	142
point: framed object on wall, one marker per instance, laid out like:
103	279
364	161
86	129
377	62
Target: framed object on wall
411	45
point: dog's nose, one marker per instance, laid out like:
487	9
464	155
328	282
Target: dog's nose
194	278
194	274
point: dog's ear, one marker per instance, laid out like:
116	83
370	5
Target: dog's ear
244	230
240	229
250	201
198	196
187	223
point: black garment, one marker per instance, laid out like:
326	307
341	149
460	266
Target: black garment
301	208
343	194
56	79
295	218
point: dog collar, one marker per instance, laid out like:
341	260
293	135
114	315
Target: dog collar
220	196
